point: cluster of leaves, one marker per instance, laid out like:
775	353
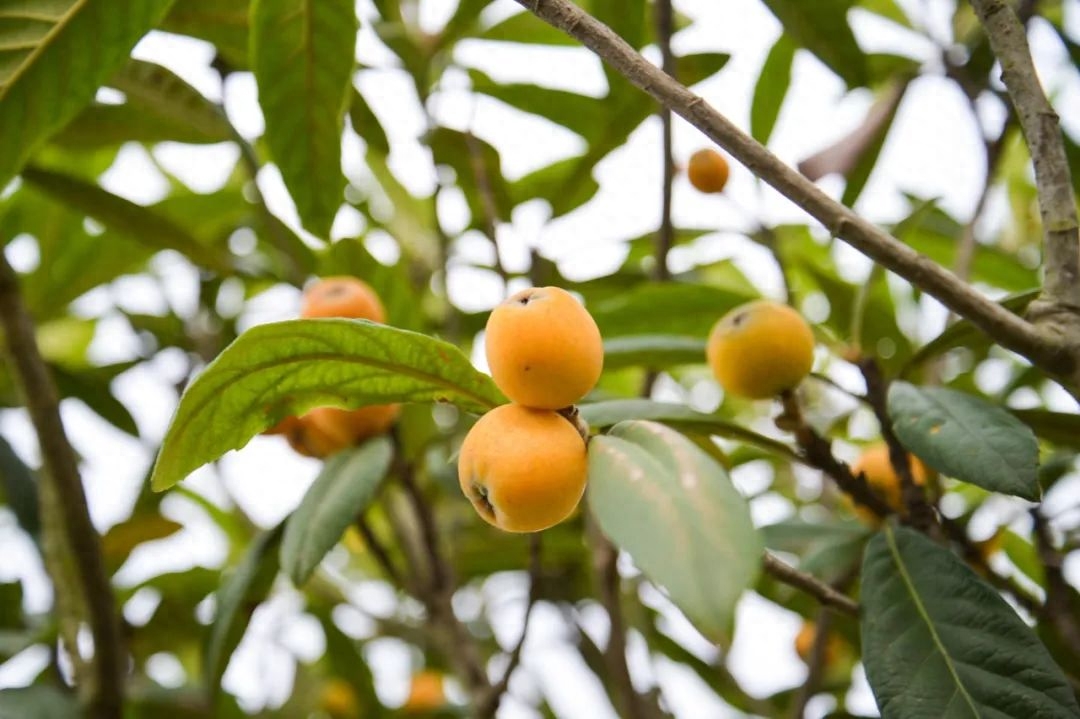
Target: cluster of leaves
934	635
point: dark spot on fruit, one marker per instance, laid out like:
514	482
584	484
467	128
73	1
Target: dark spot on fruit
738	319
481	502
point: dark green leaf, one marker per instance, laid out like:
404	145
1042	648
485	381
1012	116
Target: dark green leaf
302	55
526	28
342	490
140	223
675	511
54	54
692	69
1061	428
822	28
966	437
682	309
19	490
655	351
38	701
287	368
92	387
366	124
939	642
771	88
240	594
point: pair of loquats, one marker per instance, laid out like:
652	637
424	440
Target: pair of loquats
327	430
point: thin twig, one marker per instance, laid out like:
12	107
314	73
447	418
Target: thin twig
919	512
810	584
378	551
1046	350
665	237
65	515
1042	130
606	573
490	220
491	705
815	663
1057	609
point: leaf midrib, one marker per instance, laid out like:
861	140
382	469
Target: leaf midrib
62	22
890	537
972	432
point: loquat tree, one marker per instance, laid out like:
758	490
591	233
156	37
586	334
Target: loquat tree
331	284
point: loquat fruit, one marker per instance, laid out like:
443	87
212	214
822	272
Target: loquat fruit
426	693
328	430
760	349
523	469
339	699
342	296
875	465
544	348
804	644
708	171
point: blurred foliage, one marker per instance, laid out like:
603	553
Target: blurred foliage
326	136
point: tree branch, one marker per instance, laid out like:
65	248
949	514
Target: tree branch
1042	130
65	515
810	584
491	705
1057	609
815	663
1013	332
665	237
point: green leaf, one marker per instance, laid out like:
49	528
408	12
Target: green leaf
939	642
523	27
771	88
223	23
576	112
655	351
140	223
675	511
54	54
240	593
19	490
963	333
367	125
341	491
681	417
302	55
1061	428
93	387
287	368
121	540
38	701
680	308
822	28
692	69
966	437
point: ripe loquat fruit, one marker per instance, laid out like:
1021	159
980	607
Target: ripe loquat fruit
523	469
708	171
804	644
426	693
342	296
760	349
875	465
328	430
544	348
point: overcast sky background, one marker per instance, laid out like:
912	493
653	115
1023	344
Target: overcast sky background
933	150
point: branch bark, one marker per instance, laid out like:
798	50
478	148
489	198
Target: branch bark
75	551
1046	350
1042	130
810	584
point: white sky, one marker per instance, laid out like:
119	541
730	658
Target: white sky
933	150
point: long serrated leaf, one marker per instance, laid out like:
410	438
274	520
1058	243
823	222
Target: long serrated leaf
161	93
287	368
341	491
771	88
54	54
939	642
675	511
302	55
241	591
140	223
966	437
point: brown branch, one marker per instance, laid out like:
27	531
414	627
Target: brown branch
919	512
606	574
810	584
491	705
65	515
1042	130
437	595
1045	350
1057	609
378	551
815	663
490	220
665	237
